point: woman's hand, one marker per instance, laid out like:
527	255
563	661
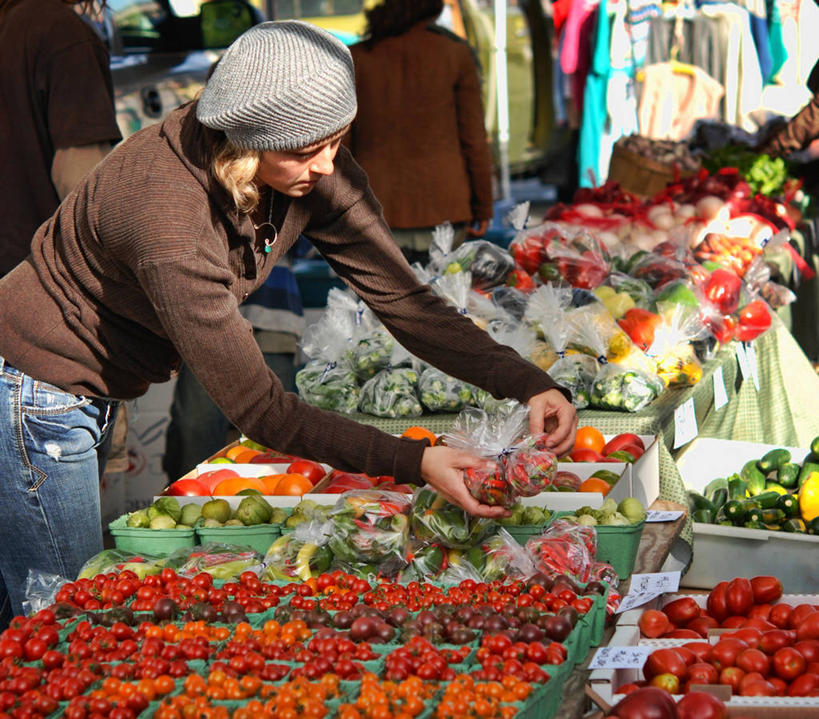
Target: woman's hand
442	468
552	413
477	229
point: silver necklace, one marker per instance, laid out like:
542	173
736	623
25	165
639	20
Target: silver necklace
268	241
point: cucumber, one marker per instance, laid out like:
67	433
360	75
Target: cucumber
696	502
773	460
719	497
795	525
807	468
733	511
737	487
789	504
754	478
788	475
702	515
767	500
713	486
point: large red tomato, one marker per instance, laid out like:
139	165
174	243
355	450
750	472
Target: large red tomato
701	705
645	703
620	441
312	470
739	597
788	663
808	628
682	610
665	661
753	660
808	648
716	604
766	589
725	652
702	673
653	623
187	488
806	685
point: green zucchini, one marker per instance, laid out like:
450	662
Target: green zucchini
813	526
773	516
753	525
807	468
696	502
737	487
754	478
795	525
713	486
772	527
703	516
719	497
775	487
773	460
788	475
767	500
733	511
789	504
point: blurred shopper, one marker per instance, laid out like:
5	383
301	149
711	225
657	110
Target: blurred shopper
419	133
145	265
57	118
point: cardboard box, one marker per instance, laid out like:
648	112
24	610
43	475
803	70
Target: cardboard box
569	501
791	557
604	683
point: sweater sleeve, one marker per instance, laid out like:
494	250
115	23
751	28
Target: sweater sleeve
192	299
357	244
800	131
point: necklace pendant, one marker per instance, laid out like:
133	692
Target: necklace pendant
267	247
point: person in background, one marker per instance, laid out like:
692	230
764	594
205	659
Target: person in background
57	117
144	266
198	428
419	133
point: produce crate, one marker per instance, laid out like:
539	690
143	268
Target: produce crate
158	542
791	557
257	536
641	175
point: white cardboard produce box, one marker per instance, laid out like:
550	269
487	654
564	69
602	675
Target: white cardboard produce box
722	553
605	682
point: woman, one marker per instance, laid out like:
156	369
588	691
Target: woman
419	133
144	267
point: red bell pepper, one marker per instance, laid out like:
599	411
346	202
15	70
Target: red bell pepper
640	325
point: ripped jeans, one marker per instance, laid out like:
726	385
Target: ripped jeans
52	450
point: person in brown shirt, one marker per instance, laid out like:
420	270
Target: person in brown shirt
419	133
57	116
144	265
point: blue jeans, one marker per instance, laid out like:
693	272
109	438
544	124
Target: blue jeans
52	450
198	429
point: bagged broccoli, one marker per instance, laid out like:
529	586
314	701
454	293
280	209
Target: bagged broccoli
393	392
624	389
434	520
441	393
300	554
371	527
372	353
455	288
328	381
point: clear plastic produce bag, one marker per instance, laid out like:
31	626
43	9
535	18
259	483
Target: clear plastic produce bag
620	388
372	352
393	392
500	556
488	264
221	561
564	548
300	554
441	393
434	520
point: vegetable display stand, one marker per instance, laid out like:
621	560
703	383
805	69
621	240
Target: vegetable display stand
150	541
640	175
258	537
618	546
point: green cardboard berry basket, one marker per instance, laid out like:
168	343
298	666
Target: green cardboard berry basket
258	537
159	542
523	533
618	546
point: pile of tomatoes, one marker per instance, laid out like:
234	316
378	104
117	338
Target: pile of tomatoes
772	648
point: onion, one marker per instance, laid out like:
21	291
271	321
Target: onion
686	212
588	210
609	239
660	216
642	241
709	207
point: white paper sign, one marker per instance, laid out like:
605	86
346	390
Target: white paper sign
685	423
720	393
620	657
645	587
656	515
750	353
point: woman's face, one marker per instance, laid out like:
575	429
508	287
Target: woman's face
296	172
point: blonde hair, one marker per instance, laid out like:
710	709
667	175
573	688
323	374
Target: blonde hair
235	169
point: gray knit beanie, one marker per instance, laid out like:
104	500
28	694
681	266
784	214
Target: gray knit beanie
280	86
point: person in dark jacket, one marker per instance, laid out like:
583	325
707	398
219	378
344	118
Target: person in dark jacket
144	265
419	133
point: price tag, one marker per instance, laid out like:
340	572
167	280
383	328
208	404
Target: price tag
656	515
645	587
720	393
685	423
750	353
742	358
620	657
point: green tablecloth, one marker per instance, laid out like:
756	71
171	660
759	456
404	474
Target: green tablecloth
784	411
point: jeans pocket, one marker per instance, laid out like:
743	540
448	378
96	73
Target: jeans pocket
45	399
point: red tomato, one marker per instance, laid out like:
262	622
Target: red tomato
725	652
753	660
732	676
583	454
681	611
702	673
739	597
775	639
716	604
620	441
788	663
758	688
760	611
682	634
766	590
701	705
653	623
808	628
702	624
808	648
187	488
701	650
646	702
806	685
212	478
780	615
749	635
312	470
665	661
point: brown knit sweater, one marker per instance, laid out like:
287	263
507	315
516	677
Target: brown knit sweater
147	261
